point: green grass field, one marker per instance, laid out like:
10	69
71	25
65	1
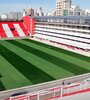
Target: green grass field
26	62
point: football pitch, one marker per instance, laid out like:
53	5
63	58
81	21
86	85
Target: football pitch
26	62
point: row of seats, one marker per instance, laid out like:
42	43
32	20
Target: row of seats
64	36
64	41
64	32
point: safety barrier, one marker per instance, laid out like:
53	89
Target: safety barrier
35	89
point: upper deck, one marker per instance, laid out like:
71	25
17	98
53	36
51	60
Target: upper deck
65	19
75	21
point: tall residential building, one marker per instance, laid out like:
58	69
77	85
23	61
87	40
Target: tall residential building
63	7
54	13
76	11
30	11
40	11
87	12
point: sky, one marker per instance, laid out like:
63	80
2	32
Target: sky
47	5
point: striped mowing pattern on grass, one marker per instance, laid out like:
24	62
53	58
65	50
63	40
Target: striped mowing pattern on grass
1	86
11	75
0	75
85	62
47	67
57	61
61	50
30	71
37	63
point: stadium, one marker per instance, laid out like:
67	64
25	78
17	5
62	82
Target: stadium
44	58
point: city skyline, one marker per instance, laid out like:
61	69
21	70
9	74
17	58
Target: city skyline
47	5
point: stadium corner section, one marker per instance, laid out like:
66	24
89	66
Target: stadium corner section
17	29
29	23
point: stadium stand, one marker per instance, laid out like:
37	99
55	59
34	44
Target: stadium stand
2	32
12	29
7	30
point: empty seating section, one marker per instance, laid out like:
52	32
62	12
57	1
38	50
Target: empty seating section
19	30
2	32
15	33
64	41
24	28
7	30
65	32
12	29
64	28
70	38
65	36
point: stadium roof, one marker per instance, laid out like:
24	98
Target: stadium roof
66	19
